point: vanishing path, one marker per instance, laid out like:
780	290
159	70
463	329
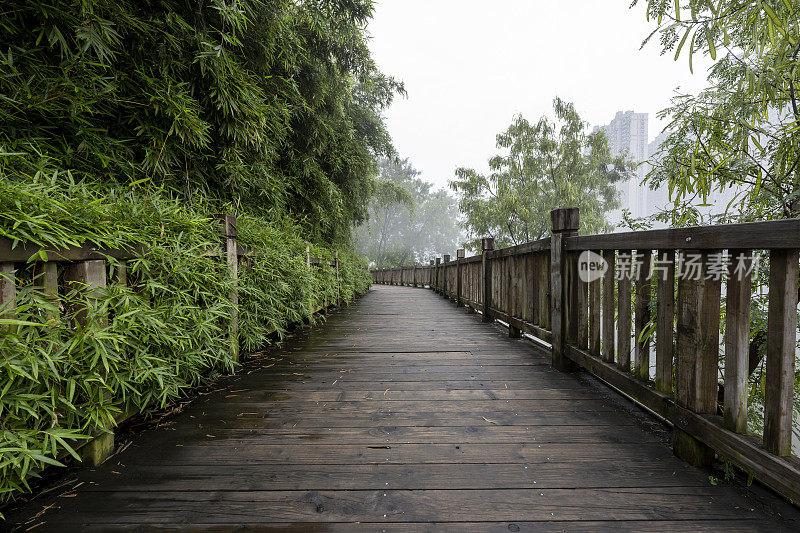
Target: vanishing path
401	410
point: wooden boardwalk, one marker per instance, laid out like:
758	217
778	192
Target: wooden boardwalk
400	412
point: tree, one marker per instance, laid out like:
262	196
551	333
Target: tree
545	165
409	222
272	105
741	132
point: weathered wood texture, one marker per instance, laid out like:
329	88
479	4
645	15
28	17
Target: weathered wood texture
534	288
737	342
781	347
486	246
609	333
665	320
563	282
624	310
355	427
641	363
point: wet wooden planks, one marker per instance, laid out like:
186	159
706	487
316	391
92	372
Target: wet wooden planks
403	413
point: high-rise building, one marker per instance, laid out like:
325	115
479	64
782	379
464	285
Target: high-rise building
627	135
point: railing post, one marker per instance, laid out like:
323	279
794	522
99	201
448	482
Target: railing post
487	245
8	288
89	277
697	352
311	297
665	310
459	282
563	286
641	363
414	275
737	342
608	307
46	277
781	346
338	282
437	276
446	261
228	231
430	275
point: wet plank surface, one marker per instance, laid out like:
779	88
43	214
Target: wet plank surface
403	413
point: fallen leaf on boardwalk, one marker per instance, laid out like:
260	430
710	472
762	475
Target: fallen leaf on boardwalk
231	395
334	383
384	392
212	436
490	421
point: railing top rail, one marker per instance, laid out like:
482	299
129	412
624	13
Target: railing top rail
22	252
772	234
520	249
30	253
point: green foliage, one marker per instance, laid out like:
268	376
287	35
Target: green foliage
740	133
544	165
135	122
273	105
408	221
146	342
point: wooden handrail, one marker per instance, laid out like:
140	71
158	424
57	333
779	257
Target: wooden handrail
536	288
771	234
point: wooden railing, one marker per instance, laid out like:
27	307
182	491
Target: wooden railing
604	324
86	269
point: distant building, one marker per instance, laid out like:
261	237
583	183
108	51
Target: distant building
627	135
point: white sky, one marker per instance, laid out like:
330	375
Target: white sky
469	66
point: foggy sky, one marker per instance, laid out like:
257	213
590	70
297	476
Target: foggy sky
469	66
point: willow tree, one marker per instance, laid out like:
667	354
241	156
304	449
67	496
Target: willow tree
544	165
742	131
